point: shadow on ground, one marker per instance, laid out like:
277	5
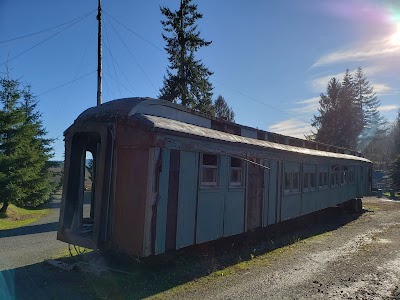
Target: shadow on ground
137	279
32	229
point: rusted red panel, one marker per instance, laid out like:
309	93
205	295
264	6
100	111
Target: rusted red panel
128	136
254	195
132	154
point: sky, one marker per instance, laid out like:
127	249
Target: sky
271	59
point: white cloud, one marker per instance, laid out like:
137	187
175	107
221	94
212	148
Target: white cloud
319	84
381	88
291	127
383	48
307	106
388	108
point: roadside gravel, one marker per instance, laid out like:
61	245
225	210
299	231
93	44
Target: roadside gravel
360	260
33	243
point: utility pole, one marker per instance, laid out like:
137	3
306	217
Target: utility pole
99	63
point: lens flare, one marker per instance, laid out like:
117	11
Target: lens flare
395	38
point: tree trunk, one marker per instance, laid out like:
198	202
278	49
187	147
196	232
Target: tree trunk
3	209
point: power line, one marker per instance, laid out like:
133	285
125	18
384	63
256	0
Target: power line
18	55
138	35
127	48
118	82
113	62
66	83
112	57
44	30
258	101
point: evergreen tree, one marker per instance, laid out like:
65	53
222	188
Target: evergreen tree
395	167
396	134
367	100
348	114
11	119
223	110
328	123
187	80
24	150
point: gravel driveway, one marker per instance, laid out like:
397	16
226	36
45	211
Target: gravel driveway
360	260
33	243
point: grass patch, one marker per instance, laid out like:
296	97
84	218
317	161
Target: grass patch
387	194
371	207
17	217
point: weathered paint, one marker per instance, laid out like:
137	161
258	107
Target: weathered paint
255	194
273	192
173	193
151	201
161	221
129	210
233	213
188	180
210	211
265	195
291	201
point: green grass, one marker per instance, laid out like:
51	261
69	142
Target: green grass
387	194
17	217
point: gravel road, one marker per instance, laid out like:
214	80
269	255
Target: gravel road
360	260
33	243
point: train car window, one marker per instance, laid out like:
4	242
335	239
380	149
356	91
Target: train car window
351	174
209	170
312	181
343	175
287	182
309	177
236	172
306	181
335	169
291	178
295	181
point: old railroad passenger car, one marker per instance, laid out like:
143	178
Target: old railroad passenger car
165	177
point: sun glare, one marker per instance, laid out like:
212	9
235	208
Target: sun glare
395	38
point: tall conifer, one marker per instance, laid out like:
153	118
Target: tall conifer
24	150
187	80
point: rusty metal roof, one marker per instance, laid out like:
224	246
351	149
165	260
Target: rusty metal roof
161	124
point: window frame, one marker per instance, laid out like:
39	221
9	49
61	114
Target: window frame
335	176
209	184
236	184
309	172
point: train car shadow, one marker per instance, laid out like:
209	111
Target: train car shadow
127	277
32	229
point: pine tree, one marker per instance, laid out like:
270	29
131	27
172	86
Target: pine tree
223	110
395	167
367	100
24	150
328	121
187	81
11	120
37	153
350	113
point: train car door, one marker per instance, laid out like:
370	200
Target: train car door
255	192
